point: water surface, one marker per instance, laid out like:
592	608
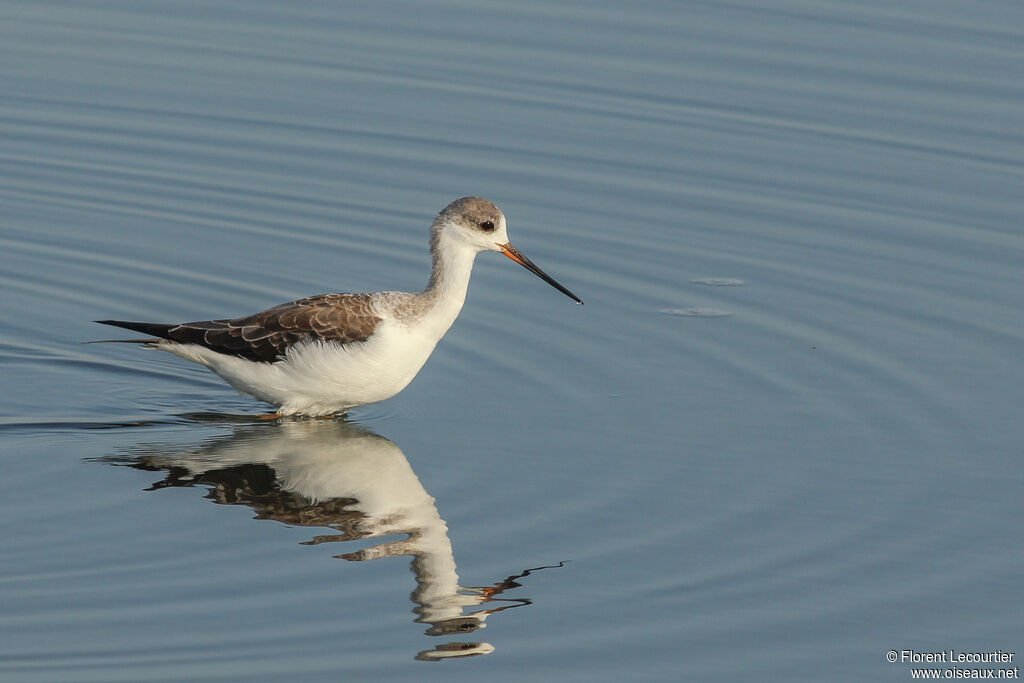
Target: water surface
781	438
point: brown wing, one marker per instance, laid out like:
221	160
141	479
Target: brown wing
266	336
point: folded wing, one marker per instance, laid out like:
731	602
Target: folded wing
266	336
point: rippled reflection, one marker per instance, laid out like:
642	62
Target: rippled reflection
336	475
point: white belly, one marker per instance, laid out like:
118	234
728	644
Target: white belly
323	378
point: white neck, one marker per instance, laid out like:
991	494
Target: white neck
449	281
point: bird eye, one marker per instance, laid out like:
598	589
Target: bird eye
487	226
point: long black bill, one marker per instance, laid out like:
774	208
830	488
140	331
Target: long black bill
517	256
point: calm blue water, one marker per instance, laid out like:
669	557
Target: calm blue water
781	439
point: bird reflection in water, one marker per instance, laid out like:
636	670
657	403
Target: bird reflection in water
334	474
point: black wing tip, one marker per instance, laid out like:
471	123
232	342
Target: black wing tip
116	323
154	329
